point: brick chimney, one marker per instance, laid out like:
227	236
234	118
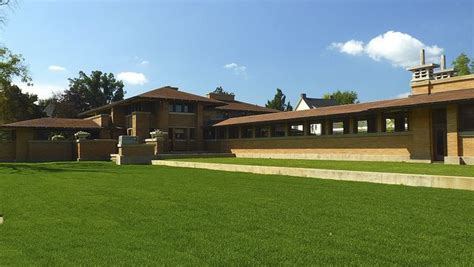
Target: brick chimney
221	97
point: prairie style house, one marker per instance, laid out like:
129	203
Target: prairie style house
435	123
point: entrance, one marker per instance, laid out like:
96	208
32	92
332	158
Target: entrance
440	133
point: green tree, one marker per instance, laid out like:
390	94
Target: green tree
17	106
461	65
343	97
12	66
87	92
220	90
279	102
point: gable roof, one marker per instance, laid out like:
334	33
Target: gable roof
59	123
166	92
319	102
242	106
412	101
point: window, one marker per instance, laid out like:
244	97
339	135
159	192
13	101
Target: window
278	130
221	133
396	122
6	136
192	133
234	132
338	127
179	134
247	132
315	128
362	126
181	108
296	130
262	132
466	118
209	133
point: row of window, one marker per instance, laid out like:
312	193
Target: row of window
181	108
182	133
395	123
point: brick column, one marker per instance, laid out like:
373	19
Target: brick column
379	122
327	127
452	136
306	128
351	125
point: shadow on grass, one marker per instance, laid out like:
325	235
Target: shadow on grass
28	168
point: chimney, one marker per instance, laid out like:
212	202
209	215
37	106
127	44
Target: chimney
422	56
303	96
442	62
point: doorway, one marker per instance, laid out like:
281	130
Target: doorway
440	133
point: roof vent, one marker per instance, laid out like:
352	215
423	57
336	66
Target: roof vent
444	73
423	71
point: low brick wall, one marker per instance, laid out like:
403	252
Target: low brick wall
99	149
40	151
467	145
7	151
379	147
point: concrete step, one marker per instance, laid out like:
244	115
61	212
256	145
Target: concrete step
195	155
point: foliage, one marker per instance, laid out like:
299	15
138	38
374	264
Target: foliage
87	92
343	97
17	106
220	90
3	3
461	65
279	102
92	213
12	66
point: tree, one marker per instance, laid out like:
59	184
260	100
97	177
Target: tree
88	92
17	106
343	97
461	65
3	3
12	66
220	90
279	102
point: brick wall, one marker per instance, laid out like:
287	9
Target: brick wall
7	151
39	151
99	149
467	145
394	145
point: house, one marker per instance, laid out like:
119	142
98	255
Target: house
435	123
309	103
185	117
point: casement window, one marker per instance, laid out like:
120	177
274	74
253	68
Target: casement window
233	132
296	129
316	129
179	134
247	132
6	136
278	130
466	118
181	108
262	132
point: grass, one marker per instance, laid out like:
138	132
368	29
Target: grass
368	166
102	214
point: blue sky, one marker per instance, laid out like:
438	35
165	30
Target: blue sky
248	47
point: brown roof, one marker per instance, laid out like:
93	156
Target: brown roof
242	106
166	92
419	100
173	93
54	123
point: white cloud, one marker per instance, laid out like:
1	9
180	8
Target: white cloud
238	70
43	91
351	47
144	62
56	68
403	95
400	49
132	78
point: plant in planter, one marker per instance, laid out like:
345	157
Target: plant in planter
58	137
81	135
158	134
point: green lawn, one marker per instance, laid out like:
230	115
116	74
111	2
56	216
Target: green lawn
369	166
102	214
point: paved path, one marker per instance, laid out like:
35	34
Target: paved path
451	182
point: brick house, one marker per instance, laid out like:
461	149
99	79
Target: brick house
435	123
